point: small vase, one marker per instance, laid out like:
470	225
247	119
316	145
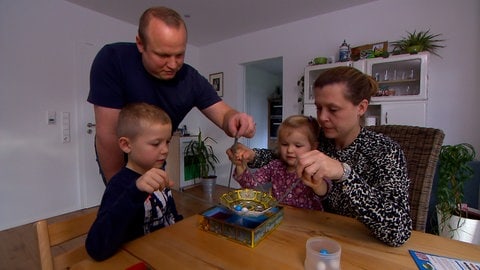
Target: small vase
415	49
460	228
208	185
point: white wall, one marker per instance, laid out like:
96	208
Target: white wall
37	48
454	80
38	42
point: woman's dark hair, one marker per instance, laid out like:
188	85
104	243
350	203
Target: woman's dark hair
359	85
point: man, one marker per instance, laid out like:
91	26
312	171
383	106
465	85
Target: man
153	71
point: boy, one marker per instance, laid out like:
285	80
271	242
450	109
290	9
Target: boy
137	200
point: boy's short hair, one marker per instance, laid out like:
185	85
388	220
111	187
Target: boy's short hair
134	116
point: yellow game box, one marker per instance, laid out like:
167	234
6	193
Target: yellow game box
245	230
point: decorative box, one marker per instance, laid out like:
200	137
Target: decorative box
245	230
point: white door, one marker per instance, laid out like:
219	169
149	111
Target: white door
90	180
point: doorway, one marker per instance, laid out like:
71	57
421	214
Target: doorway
263	83
89	178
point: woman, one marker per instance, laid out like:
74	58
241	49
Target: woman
368	170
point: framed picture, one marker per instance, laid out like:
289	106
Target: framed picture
369	50
216	80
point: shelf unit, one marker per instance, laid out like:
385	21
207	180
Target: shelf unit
403	94
175	166
275	116
402	80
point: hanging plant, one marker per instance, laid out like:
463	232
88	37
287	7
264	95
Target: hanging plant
300	84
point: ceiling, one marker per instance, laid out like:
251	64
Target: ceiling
210	21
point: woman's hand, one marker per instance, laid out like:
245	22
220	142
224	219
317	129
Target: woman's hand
314	166
153	179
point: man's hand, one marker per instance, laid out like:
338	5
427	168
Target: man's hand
241	124
232	122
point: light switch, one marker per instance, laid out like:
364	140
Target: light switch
66	127
51	117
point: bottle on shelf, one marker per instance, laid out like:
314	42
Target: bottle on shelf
344	52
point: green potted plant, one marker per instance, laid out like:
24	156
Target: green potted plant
200	154
418	42
454	171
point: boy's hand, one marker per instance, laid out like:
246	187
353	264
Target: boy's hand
153	179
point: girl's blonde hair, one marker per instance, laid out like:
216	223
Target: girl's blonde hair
309	125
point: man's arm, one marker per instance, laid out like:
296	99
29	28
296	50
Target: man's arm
230	120
109	154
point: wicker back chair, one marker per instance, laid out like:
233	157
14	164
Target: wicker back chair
421	147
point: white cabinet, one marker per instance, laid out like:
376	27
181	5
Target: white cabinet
403	84
275	108
411	113
400	77
310	110
403	94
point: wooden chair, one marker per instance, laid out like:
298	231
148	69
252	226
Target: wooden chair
421	147
61	233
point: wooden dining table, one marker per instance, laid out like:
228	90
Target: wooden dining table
120	260
185	246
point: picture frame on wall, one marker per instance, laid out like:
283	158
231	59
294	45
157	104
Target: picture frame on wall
369	50
216	80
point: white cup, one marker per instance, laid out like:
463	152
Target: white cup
322	253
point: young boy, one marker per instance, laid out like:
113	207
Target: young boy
137	200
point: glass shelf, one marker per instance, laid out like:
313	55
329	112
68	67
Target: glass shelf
399	81
400	77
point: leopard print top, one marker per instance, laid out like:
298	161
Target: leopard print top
376	192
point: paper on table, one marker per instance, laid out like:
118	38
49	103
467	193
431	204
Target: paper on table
427	261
